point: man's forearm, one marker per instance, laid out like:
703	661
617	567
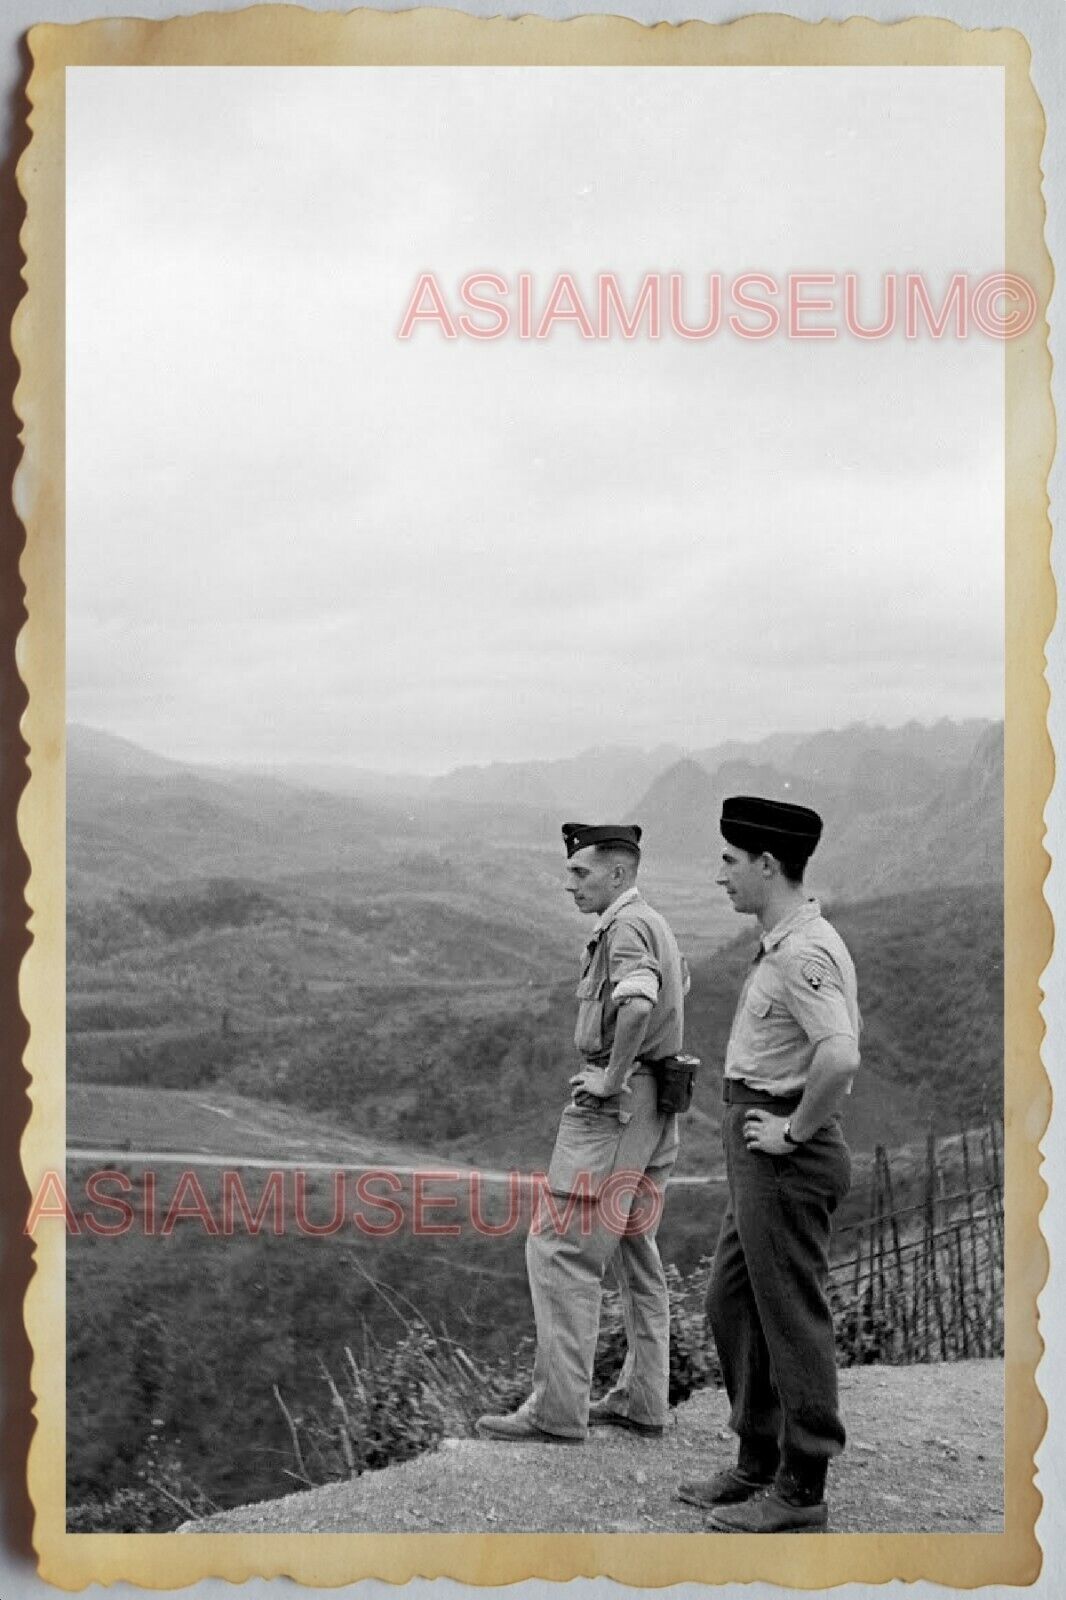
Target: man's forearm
834	1066
631	1024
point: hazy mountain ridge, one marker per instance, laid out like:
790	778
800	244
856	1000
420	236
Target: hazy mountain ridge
888	763
878	837
135	826
860	767
131	823
885	765
282	942
832	751
594	783
680	811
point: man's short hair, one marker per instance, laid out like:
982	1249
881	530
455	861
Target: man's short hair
625	855
791	868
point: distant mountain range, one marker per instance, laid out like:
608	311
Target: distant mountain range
887	764
903	808
878	765
409	953
135	818
595	783
892	820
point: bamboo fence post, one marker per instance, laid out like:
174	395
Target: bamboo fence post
964	1318
997	1194
876	1312
929	1224
975	1276
955	1311
925	1283
855	1342
898	1253
991	1232
993	1275
931	1191
990	1225
871	1272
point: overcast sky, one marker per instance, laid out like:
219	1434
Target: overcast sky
293	536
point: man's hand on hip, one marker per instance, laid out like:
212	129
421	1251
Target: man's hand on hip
590	1086
763	1131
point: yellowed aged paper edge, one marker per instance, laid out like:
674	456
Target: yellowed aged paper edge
280	35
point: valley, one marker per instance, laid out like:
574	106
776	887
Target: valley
405	971
267	973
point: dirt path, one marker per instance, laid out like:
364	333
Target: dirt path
925	1454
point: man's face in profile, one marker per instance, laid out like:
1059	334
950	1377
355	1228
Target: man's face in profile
743	878
593	880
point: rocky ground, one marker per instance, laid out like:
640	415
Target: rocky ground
925	1454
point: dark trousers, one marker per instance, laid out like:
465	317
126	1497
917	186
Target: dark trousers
767	1298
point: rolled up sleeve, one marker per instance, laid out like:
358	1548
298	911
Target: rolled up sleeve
634	970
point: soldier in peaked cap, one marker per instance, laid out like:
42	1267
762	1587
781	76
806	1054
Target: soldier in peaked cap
613	1141
792	1054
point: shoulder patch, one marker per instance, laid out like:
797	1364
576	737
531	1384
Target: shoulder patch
815	972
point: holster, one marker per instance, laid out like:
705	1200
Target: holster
675	1080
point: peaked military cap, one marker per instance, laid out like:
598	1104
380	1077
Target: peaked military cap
778	826
580	835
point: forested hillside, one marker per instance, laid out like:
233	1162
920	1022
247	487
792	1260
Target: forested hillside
479	1068
409	970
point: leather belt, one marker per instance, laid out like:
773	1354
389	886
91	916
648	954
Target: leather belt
735	1092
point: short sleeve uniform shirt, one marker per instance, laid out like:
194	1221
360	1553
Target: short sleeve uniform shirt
800	990
632	954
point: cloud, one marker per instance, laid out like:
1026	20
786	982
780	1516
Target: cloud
287	531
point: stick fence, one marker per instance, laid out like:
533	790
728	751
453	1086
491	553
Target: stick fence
923	1280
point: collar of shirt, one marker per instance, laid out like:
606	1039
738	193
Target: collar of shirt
605	918
795	919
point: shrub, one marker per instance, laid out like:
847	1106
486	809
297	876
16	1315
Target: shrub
693	1359
397	1402
158	1499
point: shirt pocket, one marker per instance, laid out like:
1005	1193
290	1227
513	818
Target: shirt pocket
588	1035
759	1003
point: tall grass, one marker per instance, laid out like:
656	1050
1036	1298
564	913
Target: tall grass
389	1403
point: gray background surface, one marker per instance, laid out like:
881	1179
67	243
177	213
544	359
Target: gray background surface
1043	22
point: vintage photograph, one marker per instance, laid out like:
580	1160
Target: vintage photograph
362	609
534	726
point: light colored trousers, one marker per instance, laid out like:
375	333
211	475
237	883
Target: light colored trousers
566	1267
